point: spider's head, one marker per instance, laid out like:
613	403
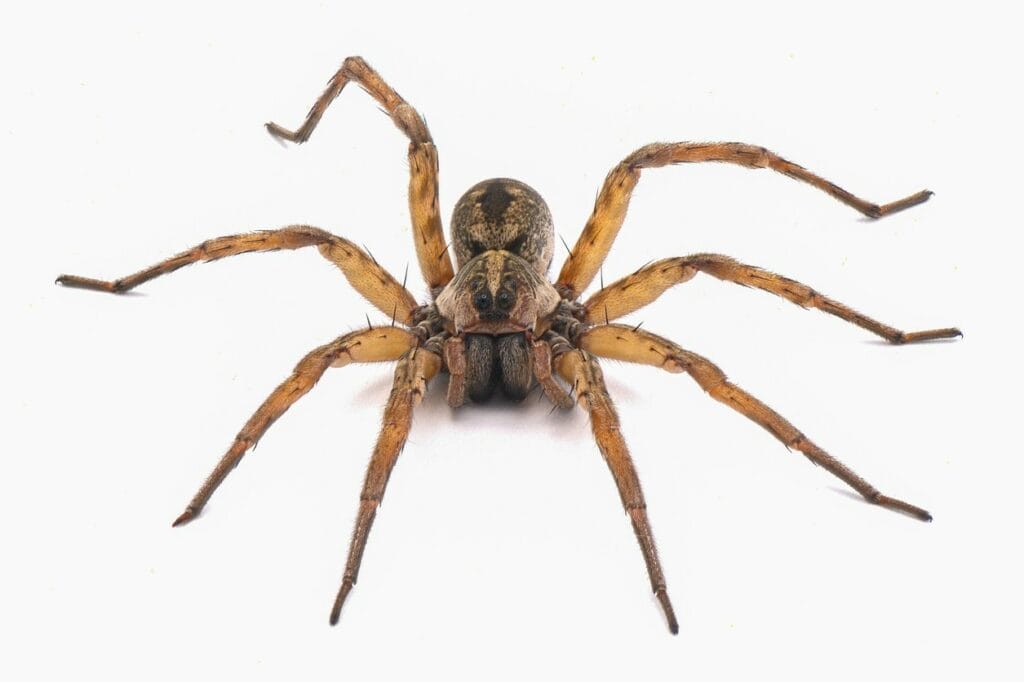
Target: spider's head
496	292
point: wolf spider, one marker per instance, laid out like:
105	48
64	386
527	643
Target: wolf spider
497	321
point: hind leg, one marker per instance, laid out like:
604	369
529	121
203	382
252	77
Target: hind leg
428	235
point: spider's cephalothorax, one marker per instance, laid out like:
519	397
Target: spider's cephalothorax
499	322
503	239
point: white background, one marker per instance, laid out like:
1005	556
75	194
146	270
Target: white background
501	551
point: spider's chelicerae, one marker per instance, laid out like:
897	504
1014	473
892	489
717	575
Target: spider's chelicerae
497	322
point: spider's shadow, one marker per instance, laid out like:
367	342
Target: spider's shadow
848	493
854	496
534	410
926	342
375	390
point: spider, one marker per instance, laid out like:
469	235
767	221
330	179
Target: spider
497	321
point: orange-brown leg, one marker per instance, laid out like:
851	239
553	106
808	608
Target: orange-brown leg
541	358
414	370
620	342
426	218
368	345
649	282
582	371
366	276
610	208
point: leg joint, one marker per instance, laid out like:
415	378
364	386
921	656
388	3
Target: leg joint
796	441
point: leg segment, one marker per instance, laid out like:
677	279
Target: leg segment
369	345
582	370
367	277
540	352
455	362
414	370
610	208
623	343
649	282
426	218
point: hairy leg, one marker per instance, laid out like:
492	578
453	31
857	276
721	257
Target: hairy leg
455	363
414	370
541	357
610	208
649	282
368	345
620	342
426	218
367	277
582	371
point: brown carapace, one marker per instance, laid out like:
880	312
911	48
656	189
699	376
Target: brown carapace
498	322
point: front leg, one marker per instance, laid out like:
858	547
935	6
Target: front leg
414	371
581	369
368	345
619	342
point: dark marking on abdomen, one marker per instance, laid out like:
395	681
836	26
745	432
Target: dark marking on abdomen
503	214
495	201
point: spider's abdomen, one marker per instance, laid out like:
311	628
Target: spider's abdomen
503	214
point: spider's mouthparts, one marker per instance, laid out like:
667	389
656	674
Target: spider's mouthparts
494	326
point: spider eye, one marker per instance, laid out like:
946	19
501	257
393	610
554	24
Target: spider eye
505	300
482	300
